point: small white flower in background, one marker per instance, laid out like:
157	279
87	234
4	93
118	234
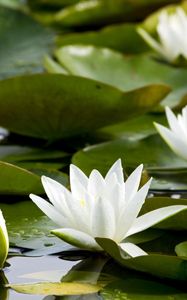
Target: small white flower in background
4	241
100	207
172	32
176	136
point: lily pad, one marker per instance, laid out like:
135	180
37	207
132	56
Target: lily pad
20	52
29	228
151	151
136	128
167	169
122	37
123	72
166	266
102	12
64	99
17	181
58	288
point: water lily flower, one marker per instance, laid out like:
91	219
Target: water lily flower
176	136
100	207
4	241
172	30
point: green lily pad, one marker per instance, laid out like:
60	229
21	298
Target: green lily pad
30	229
16	153
181	249
123	72
122	37
61	100
136	128
15	180
166	266
102	12
167	169
151	151
141	289
20	52
58	288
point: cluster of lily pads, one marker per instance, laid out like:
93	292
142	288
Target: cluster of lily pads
92	84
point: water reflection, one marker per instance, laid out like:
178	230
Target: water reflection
92	269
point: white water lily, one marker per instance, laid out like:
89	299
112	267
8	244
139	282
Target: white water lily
176	135
172	32
4	241
100	207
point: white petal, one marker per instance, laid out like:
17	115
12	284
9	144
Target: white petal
60	197
168	36
132	249
154	217
77	238
78	181
80	215
116	169
173	141
49	210
172	121
115	194
96	184
151	42
132	183
130	213
54	192
103	219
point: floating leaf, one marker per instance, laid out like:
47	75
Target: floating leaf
64	99
101	12
151	151
166	266
136	128
122	37
15	180
123	72
20	52
64	288
29	228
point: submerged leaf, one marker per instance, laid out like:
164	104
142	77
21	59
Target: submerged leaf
59	288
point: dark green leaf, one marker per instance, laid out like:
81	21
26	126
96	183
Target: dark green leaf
56	106
101	12
122	37
166	266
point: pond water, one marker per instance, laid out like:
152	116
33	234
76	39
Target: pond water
117	283
20	267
